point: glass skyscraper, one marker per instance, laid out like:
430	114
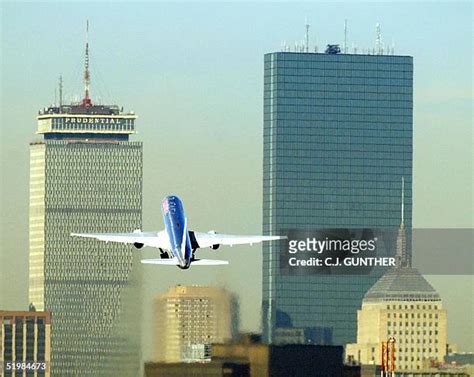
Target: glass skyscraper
337	141
86	176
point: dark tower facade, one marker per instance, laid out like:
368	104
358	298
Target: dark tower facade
337	140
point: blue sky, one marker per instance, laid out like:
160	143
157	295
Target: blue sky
193	73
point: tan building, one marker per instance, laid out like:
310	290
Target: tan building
404	306
189	318
26	341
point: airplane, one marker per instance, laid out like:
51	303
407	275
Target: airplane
176	243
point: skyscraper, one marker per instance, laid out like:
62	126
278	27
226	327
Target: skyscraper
188	319
337	140
404	307
86	176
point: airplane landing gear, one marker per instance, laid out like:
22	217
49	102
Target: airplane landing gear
164	254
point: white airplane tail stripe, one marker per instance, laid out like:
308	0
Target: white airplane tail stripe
175	262
169	262
208	262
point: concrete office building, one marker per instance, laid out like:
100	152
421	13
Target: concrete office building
25	339
188	319
403	306
337	140
86	176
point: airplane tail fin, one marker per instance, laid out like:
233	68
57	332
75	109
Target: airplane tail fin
168	262
208	262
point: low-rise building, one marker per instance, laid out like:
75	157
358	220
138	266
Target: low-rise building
296	360
25	343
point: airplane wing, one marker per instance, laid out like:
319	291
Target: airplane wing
211	239
137	238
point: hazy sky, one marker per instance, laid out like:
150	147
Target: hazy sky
193	72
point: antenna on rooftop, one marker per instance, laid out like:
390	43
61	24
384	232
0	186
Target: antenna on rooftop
307	25
86	101
60	91
378	39
344	49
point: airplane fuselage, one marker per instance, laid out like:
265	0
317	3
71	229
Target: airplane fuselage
176	243
177	230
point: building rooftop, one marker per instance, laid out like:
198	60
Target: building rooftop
79	109
401	284
336	56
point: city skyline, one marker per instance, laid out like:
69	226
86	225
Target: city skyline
223	109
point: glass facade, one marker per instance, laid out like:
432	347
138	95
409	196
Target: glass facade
87	185
337	140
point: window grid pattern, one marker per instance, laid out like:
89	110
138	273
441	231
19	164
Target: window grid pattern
90	287
190	317
337	140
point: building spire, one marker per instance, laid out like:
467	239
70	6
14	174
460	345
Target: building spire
86	101
401	256
403	202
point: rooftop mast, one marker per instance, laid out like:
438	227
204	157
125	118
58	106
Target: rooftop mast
86	101
307	35
60	91
344	50
378	40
